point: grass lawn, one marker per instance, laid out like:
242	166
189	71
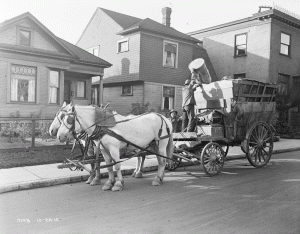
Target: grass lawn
40	157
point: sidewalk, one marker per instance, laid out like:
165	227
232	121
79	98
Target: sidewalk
47	175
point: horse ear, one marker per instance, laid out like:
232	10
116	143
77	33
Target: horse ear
71	103
64	104
106	106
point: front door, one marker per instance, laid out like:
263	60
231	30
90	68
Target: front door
67	91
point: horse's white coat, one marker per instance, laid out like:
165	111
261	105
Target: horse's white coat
140	130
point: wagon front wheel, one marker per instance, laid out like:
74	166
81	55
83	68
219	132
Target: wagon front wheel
259	144
173	166
212	158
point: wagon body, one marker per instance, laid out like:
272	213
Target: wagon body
231	112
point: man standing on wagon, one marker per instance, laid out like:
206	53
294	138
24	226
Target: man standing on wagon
188	104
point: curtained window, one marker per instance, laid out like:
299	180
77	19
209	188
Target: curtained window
170	54
80	89
23	82
168	98
54	87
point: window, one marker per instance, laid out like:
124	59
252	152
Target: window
53	87
123	45
283	81
239	76
240	47
285	44
168	98
127	90
170	54
80	89
95	51
23	82
24	37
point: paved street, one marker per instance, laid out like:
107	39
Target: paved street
241	199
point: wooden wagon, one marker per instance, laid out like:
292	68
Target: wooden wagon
229	113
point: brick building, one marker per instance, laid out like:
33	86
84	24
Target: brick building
150	59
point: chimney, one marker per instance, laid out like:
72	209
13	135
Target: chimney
166	20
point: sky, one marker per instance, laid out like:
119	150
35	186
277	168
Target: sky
68	18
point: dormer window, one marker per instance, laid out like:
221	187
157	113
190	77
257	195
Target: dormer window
24	37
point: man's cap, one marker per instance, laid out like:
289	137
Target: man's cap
187	82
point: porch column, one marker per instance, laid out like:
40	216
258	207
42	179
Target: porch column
101	91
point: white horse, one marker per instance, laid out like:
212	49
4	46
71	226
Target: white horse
143	130
94	178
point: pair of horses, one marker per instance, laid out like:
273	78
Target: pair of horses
111	132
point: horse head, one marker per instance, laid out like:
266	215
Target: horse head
58	119
69	124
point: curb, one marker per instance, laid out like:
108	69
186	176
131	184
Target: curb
73	179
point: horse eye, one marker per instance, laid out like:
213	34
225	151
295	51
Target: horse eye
70	120
62	116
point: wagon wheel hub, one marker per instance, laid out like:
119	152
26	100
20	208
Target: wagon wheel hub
213	157
260	144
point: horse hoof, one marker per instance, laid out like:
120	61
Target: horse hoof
95	181
138	175
90	179
156	181
107	186
118	186
133	174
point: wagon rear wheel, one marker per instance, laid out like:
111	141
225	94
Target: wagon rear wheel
212	158
259	144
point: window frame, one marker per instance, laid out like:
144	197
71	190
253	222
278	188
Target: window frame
163	100
126	94
76	89
92	50
19	29
235	45
58	88
35	85
235	76
164	54
289	46
124	40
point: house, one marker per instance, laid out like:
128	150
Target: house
150	59
38	70
264	47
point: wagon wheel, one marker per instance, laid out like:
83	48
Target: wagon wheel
259	144
174	165
212	158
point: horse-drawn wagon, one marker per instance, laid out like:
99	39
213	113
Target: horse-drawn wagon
229	113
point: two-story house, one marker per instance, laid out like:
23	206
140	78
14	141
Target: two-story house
38	70
264	47
150	59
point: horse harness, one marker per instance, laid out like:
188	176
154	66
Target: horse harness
100	131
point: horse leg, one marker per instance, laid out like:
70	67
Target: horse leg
96	180
139	166
119	185
90	152
111	177
161	166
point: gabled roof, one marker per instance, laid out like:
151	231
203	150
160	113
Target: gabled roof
155	27
73	53
131	24
123	20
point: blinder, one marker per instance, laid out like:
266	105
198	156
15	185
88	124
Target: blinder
70	119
